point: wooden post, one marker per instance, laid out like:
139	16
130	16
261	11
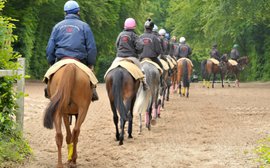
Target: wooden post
20	90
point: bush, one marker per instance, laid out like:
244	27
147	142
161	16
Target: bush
12	145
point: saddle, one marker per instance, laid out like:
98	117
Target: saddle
233	62
153	63
181	59
55	67
133	69
215	61
164	64
170	61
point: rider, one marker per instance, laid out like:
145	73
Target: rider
72	38
151	44
235	53
184	50
214	52
173	46
129	45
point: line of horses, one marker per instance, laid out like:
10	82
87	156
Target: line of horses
225	68
72	93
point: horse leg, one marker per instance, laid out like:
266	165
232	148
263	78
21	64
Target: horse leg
130	121
58	138
68	136
140	123
168	93
179	89
213	82
187	92
222	78
75	134
115	120
122	126
148	116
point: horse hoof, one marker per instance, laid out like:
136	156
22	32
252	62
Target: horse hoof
153	122
72	165
130	136
121	143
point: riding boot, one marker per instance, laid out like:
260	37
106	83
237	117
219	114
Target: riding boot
46	93
95	95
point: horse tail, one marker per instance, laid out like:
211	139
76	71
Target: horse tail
60	99
185	74
117	91
203	63
142	100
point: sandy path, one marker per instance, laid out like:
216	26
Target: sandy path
214	128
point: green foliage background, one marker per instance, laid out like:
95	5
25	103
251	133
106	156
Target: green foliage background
202	23
12	145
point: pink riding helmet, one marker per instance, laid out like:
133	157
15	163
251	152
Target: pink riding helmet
130	23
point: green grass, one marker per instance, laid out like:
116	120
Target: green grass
13	150
263	153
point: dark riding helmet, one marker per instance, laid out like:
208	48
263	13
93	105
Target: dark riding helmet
149	24
215	45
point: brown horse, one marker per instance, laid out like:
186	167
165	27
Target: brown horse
209	68
122	88
236	69
71	94
184	68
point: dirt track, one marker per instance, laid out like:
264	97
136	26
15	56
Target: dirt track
214	128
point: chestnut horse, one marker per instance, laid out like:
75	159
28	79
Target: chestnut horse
184	69
235	70
122	89
71	94
209	68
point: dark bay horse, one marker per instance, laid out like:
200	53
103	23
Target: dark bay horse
165	87
173	77
122	89
234	70
184	68
209	68
153	80
71	94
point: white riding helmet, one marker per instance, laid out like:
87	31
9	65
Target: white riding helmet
182	39
162	32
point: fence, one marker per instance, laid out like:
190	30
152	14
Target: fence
20	89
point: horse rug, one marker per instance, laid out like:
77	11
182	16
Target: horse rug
133	69
232	62
55	67
169	59
153	63
164	64
181	59
215	61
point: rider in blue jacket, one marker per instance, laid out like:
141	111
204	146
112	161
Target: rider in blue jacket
72	38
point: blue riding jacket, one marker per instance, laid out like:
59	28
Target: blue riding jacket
72	38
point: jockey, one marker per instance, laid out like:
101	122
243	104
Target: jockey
235	53
214	52
184	51
72	38
173	46
129	45
151	44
